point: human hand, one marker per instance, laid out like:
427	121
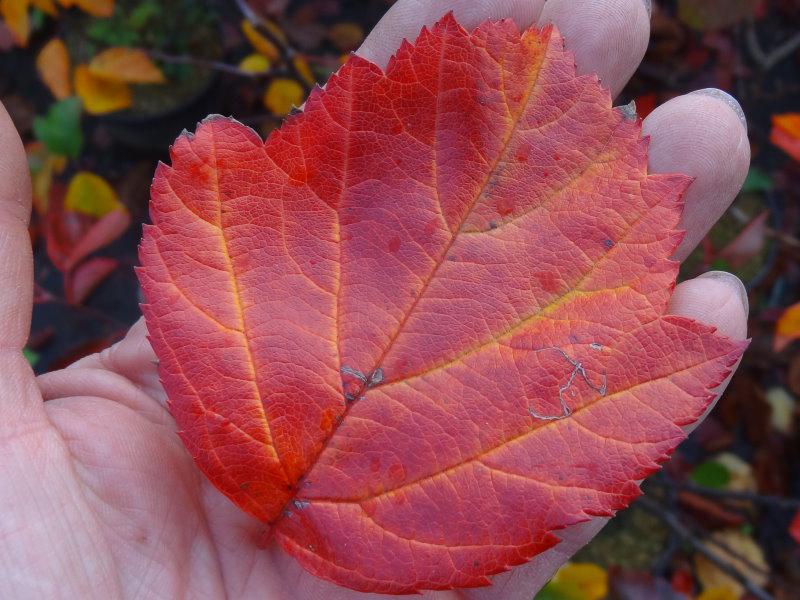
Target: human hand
99	498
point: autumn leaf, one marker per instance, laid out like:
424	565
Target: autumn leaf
742	552
99	96
720	592
98	8
15	15
48	7
794	527
60	128
710	15
91	195
255	63
787	329
432	311
260	43
786	133
53	65
283	95
86	277
583	581
125	65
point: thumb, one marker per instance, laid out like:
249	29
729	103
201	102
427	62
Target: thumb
718	299
16	263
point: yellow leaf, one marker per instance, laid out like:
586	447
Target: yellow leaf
125	65
43	166
99	96
274	30
282	95
301	66
589	578
741	547
255	63
98	8
15	14
721	592
261	44
46	6
91	195
53	65
787	329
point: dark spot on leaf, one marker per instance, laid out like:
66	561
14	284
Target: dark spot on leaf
608	244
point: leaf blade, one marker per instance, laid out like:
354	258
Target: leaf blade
425	259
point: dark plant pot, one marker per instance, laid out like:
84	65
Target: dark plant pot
154	132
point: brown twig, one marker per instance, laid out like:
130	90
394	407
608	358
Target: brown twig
670	519
212	65
767	61
288	52
755	497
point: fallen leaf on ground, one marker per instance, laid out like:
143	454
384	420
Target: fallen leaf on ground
43	166
84	279
721	592
125	65
590	580
786	133
432	308
787	329
53	65
15	15
98	8
260	43
748	244
283	95
100	96
738	546
794	527
710	15
255	63
60	128
91	195
48	7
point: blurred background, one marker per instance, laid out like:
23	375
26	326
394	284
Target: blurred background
99	89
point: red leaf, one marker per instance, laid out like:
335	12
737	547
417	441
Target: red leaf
748	243
72	236
794	528
372	328
101	233
82	281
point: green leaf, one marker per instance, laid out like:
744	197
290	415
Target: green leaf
143	13
757	181
31	356
60	128
711	474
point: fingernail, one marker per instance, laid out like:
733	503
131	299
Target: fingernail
648	4
733	282
725	97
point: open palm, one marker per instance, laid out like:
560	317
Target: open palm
99	499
